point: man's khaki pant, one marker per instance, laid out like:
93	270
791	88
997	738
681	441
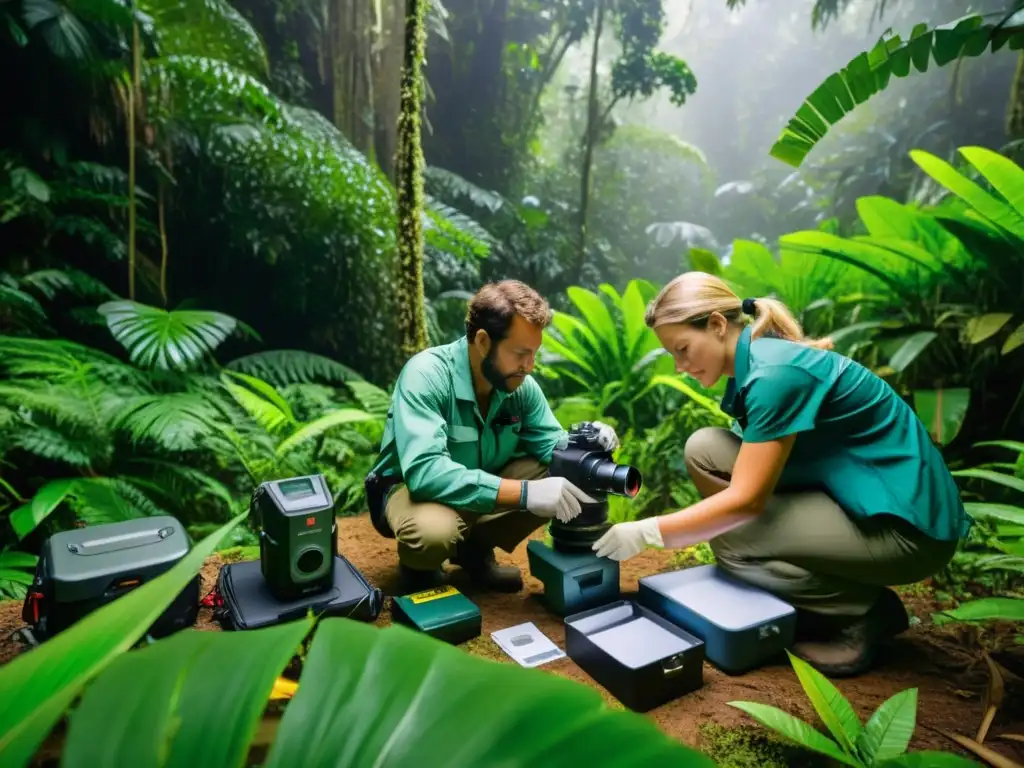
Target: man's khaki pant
429	533
804	548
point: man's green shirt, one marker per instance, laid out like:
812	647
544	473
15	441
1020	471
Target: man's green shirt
858	440
440	445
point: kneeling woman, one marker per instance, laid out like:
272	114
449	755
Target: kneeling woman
833	493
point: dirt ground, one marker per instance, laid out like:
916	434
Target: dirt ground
943	663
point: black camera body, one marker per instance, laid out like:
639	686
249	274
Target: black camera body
294	519
589	467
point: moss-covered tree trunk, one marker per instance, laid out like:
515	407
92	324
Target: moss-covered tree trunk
412	317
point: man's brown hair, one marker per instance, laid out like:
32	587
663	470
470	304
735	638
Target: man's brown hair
494	306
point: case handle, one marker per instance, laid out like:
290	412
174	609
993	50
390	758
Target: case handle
766	631
590	580
673	665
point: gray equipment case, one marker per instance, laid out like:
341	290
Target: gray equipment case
741	626
83	569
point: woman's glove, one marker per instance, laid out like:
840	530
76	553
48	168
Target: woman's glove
625	540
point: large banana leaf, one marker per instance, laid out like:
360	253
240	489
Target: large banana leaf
366	697
869	72
40	684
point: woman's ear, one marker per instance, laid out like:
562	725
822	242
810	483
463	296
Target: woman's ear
717	324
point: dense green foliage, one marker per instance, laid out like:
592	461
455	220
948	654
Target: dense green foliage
206	276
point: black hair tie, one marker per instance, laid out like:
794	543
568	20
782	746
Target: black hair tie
748	306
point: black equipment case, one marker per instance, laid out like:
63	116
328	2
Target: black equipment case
242	600
83	569
642	659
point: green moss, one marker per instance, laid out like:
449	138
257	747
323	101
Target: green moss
750	747
698	554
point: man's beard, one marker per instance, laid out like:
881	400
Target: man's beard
500	381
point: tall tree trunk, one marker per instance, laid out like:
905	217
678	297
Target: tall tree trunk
1015	110
351	35
590	136
389	51
412	320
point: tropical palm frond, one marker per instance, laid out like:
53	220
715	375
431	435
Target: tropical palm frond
166	339
175	483
373	399
50	282
265	405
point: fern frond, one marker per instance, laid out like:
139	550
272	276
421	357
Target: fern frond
50	282
76	448
176	482
372	398
19	303
322	425
282	367
110	500
177	421
267	412
53	403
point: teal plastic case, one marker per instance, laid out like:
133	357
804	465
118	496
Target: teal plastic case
443	613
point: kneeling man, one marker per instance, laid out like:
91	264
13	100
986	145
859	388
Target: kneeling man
463	462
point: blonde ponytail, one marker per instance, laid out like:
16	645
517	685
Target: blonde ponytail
771	316
692	297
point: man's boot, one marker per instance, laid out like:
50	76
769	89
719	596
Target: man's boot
483	569
852	641
414	580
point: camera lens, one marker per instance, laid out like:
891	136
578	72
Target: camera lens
608	477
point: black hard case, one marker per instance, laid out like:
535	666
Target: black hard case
640	658
83	569
246	602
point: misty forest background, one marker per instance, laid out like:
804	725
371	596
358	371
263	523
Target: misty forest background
205	281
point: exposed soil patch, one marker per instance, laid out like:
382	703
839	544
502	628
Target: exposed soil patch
944	664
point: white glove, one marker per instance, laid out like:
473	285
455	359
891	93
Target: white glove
606	436
625	540
555	497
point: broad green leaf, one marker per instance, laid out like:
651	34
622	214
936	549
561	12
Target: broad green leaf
929	759
942	410
1005	176
598	318
704	260
157	338
1014	340
984	609
1009	481
911	349
795	730
319	426
989	511
25	518
982	202
889	729
10	558
188	700
1010	445
394	697
40	684
677	383
832	707
984	326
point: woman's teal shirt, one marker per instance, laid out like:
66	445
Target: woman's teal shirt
859	441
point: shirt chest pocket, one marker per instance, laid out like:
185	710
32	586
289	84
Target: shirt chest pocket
464	445
507	439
